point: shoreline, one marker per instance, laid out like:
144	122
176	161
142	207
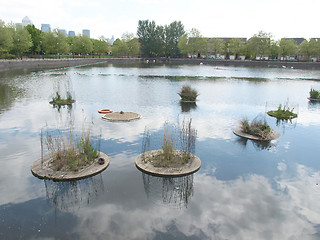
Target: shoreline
46	64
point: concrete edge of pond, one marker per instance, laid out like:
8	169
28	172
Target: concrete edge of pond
121	117
273	135
188	168
43	170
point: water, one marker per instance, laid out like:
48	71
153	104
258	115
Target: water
244	190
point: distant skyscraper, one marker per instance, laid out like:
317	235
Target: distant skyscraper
111	40
71	34
63	31
86	32
26	21
45	28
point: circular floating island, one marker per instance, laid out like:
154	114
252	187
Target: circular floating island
45	170
314	99
145	163
271	136
121	116
282	114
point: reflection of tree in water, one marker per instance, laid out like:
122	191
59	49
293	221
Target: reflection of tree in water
258	145
174	191
72	195
8	95
187	106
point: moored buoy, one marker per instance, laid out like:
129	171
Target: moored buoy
104	111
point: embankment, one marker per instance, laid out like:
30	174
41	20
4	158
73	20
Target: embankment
42	64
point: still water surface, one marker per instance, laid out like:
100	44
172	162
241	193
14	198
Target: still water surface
244	189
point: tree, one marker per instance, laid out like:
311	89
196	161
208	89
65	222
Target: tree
55	42
132	43
236	47
197	44
183	44
259	45
100	46
36	35
82	44
310	48
6	38
21	40
172	33
119	48
216	45
287	47
151	38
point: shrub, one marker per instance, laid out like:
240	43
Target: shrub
283	113
188	94
257	128
314	93
8	56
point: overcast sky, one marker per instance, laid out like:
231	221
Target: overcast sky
213	18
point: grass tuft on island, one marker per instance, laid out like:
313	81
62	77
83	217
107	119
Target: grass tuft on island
282	113
314	95
57	100
188	94
257	128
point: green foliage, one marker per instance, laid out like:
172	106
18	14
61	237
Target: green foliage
55	43
188	94
6	37
314	93
216	45
8	56
57	100
287	47
21	40
82	45
36	37
259	44
283	113
236	46
257	128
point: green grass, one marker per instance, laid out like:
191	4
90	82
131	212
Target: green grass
257	128
57	100
283	113
314	93
188	94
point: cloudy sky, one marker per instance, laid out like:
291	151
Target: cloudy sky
214	18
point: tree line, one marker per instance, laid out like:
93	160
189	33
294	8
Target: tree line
152	40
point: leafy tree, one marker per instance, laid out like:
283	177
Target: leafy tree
259	44
216	45
172	33
236	47
183	44
133	46
310	48
6	38
197	44
36	35
287	47
21	40
55	42
119	48
151	38
82	45
100	46
274	49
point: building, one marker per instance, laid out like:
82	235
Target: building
45	28
86	32
71	34
63	31
26	21
111	40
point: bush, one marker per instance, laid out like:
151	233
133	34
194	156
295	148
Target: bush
8	56
188	94
314	93
257	128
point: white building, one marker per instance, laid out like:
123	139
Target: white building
26	21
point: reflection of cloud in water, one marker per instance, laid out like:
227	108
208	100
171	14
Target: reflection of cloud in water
245	208
171	191
72	195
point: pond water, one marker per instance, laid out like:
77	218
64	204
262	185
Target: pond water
244	189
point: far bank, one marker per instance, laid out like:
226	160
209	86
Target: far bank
45	64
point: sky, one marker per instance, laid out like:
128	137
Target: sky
213	18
